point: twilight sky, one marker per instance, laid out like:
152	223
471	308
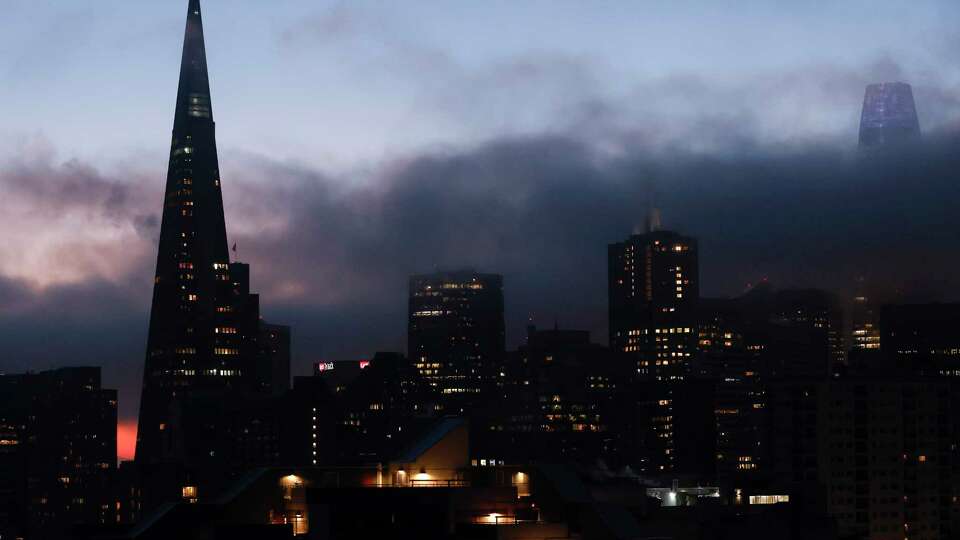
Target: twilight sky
363	141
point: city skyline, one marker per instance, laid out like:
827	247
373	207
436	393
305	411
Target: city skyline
98	224
710	310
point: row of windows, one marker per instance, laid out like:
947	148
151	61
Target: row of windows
645	331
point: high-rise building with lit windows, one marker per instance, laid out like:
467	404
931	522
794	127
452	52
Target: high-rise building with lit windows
732	340
805	334
654	286
866	327
206	339
58	452
562	398
456	330
889	115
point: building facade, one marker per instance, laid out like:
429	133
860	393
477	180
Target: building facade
877	450
654	286
58	452
206	343
456	331
562	399
889	115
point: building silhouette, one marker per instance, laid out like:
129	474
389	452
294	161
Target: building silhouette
865	327
889	114
806	335
876	449
456	331
563	398
733	338
654	286
206	344
379	409
922	338
58	452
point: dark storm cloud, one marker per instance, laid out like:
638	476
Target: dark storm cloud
95	323
332	257
542	210
12	294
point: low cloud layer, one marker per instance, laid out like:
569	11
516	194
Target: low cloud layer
332	257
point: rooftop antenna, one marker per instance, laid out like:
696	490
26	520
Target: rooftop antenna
652	220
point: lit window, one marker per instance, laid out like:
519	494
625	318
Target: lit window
199	105
769	499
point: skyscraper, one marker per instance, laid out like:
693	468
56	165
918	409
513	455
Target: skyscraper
204	323
866	330
456	329
805	335
889	114
58	452
654	286
876	450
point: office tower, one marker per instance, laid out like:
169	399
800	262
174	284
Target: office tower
381	407
311	414
922	338
877	449
676	428
456	331
866	327
206	346
889	115
563	399
805	334
58	452
654	286
273	368
732	338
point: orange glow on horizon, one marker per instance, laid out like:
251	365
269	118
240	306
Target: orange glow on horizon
126	439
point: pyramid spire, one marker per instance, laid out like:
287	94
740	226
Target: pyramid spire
207	347
193	96
194	295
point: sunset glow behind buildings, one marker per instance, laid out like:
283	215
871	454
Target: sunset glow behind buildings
126	440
